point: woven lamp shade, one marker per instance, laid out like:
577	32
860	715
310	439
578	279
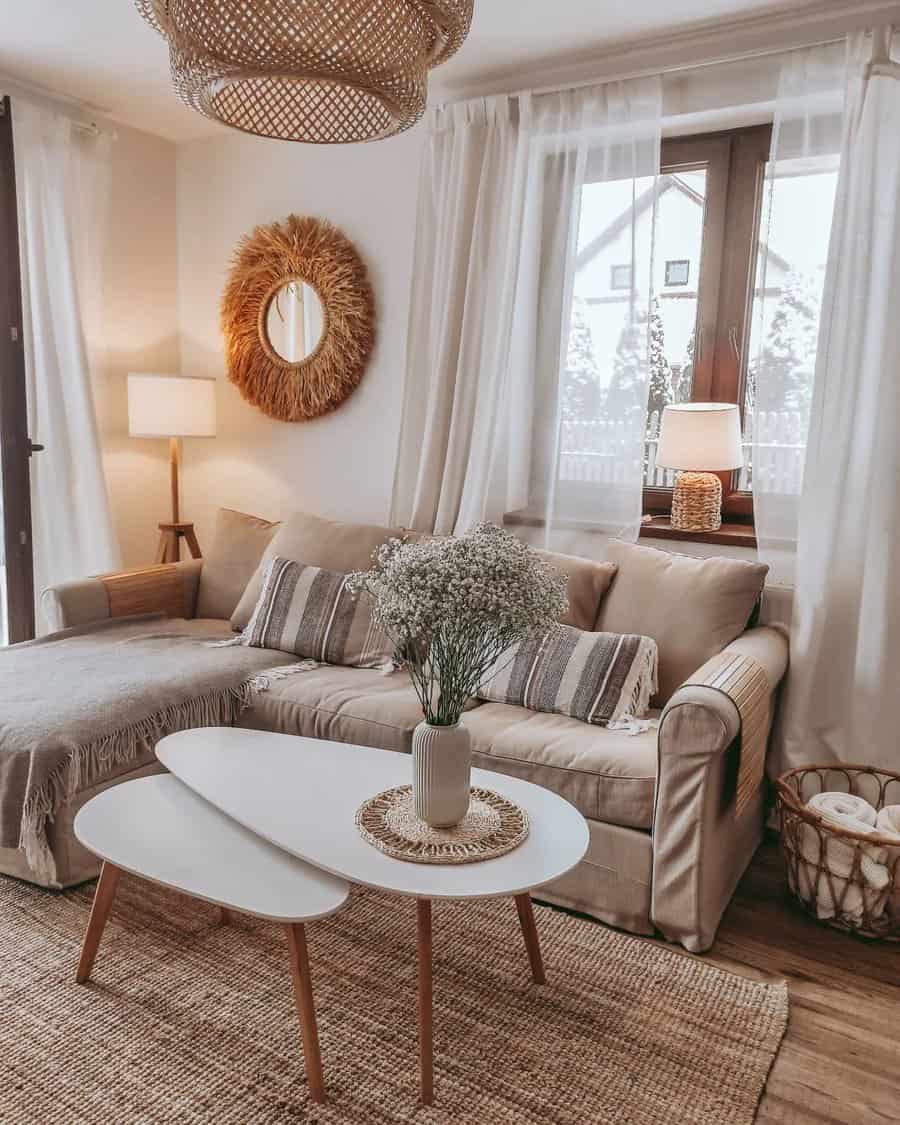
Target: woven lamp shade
320	71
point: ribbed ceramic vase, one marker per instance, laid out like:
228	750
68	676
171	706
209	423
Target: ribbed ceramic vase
442	768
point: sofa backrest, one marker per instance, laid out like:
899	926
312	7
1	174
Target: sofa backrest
316	542
691	607
237	546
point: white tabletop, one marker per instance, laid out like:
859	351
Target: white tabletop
302	795
159	829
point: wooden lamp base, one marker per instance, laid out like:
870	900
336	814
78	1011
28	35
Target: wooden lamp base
171	534
697	502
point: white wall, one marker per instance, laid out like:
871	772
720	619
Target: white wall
341	465
140	325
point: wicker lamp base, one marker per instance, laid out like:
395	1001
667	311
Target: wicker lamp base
697	502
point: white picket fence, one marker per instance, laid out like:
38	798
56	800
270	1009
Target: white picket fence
596	452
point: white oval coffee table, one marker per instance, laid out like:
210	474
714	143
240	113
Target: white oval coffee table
301	794
159	829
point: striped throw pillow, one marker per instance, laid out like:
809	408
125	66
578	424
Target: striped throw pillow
309	611
596	677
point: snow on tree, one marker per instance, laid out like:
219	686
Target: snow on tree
626	386
581	391
683	373
781	376
661	391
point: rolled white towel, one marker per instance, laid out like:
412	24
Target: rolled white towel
842	808
888	824
833	889
888	821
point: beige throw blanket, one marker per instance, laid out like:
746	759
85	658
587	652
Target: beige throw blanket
78	705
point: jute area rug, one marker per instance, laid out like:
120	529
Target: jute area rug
189	1020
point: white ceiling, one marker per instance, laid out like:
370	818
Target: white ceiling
101	52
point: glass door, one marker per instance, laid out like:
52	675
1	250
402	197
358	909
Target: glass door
16	569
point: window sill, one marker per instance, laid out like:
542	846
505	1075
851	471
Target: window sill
728	535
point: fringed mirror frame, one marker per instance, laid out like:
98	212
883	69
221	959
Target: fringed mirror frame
316	252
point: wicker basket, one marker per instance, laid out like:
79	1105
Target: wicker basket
827	865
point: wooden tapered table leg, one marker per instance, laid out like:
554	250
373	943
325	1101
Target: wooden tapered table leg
103	900
306	1010
532	942
426	994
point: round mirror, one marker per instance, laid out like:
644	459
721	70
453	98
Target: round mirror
294	321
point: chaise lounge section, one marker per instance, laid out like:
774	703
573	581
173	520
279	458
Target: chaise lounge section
668	844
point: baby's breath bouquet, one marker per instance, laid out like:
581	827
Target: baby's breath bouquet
455	606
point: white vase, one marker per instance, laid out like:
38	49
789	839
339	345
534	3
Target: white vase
442	768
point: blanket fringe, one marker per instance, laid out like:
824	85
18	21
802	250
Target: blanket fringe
87	765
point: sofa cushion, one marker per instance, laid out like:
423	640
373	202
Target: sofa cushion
587	584
355	705
316	542
595	677
691	607
311	612
237	546
607	775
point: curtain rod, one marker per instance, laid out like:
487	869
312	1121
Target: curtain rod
76	112
650	71
642	72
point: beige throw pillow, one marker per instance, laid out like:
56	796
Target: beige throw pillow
315	542
691	607
587	584
237	546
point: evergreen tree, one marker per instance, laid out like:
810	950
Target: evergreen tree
660	370
683	376
625	388
581	383
782	375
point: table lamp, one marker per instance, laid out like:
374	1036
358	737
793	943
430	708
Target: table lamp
700	439
175	407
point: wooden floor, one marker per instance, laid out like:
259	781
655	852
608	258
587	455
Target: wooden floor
840	1059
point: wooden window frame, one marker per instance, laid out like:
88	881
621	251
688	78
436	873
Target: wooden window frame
735	164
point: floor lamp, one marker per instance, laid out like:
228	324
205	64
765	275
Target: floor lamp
173	407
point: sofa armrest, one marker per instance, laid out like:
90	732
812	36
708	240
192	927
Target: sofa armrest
169	588
701	847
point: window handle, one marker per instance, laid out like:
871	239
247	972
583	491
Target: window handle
34	447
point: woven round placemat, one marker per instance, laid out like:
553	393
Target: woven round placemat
493	826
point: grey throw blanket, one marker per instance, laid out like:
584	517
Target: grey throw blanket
78	705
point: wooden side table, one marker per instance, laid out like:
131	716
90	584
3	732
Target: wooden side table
171	534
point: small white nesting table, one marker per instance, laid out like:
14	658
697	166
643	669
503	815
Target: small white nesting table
301	794
161	830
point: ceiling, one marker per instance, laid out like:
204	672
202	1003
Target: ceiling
101	52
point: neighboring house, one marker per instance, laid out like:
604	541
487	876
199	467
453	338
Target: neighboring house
603	279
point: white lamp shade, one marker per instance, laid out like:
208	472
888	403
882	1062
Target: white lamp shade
171	406
701	436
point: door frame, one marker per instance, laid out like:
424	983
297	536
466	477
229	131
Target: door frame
15	445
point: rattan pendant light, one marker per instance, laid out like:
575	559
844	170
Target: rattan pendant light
321	71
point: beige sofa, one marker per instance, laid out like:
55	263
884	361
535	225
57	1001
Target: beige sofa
667	847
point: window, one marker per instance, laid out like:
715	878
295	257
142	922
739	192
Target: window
707	202
678	271
620	277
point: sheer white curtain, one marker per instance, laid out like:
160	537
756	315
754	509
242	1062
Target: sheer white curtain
798	205
492	392
467	248
60	181
842	692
